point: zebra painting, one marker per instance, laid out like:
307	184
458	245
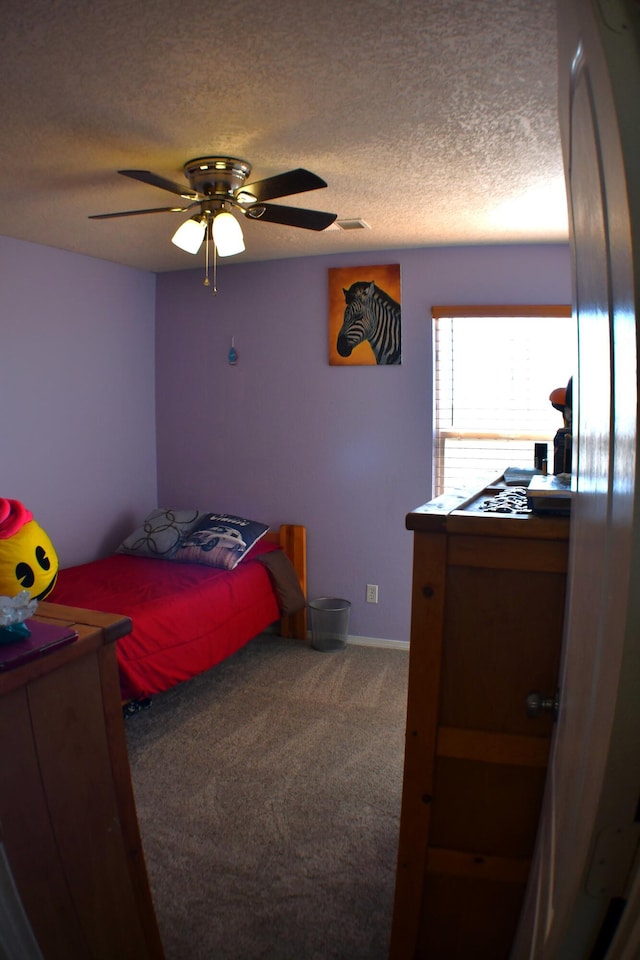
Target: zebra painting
370	314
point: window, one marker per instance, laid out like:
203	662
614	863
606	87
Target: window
494	370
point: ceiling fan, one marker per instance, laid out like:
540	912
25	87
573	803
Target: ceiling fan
217	185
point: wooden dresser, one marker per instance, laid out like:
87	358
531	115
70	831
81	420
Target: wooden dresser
67	813
486	629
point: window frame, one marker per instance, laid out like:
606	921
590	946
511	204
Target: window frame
438	312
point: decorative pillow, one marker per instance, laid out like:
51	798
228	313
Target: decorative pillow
160	533
220	540
28	560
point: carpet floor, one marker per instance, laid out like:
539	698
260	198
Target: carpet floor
268	794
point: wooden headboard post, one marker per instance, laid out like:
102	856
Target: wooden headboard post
293	540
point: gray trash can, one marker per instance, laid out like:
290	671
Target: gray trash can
329	623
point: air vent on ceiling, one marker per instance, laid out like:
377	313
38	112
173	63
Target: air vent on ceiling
349	225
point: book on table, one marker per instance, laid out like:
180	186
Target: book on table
550	494
43	638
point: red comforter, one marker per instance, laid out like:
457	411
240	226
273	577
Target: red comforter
186	617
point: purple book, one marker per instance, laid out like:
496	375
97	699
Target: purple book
43	638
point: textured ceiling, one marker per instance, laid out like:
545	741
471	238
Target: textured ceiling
434	121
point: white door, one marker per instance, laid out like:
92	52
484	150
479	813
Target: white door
588	832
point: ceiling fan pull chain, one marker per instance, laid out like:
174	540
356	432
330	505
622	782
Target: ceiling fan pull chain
206	256
215	270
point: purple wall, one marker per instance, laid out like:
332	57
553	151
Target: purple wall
77	382
283	436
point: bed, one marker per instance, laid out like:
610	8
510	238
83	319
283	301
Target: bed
193	595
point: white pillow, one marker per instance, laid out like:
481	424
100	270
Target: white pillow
160	533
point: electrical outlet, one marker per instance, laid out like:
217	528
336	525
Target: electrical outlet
372	593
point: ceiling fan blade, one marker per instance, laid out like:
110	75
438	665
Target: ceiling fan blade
145	176
135	213
291	216
283	185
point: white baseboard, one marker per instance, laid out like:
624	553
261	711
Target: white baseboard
379	642
372	642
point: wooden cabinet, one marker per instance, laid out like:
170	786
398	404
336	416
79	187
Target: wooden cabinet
67	812
487	618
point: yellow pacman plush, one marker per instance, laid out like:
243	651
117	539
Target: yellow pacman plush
28	560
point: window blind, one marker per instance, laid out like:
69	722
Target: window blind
494	370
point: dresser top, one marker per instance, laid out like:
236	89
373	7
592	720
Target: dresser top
494	510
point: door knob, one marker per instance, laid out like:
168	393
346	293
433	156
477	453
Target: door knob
537	704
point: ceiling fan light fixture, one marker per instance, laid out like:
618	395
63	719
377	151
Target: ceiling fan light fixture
227	234
190	234
219	183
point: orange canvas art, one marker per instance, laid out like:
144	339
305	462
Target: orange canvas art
365	326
